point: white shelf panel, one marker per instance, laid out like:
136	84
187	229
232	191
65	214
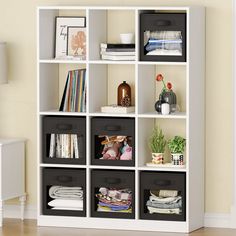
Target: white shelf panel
112	167
62	113
64	61
162	63
171	169
107	62
177	115
62	166
132	114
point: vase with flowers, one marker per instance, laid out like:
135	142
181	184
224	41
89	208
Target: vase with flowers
166	96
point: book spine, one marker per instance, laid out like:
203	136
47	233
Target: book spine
71	146
117	49
52	146
76	148
58	148
117	45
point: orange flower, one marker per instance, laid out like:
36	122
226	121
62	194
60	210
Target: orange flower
159	77
169	85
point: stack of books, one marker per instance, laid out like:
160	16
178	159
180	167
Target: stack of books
64	146
117	52
74	95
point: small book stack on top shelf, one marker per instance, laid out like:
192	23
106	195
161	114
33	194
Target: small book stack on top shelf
74	95
117	52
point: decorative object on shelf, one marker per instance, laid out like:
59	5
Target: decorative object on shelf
165	109
126	38
117	109
62	23
157	143
76	43
166	96
124	95
3	63
177	146
74	95
117	51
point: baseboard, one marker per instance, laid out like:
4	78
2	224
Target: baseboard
211	219
13	211
217	220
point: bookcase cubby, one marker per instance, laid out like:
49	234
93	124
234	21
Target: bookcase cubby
106	183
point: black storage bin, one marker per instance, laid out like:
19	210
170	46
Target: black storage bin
112	180
65	178
64	139
162	37
113	136
164	183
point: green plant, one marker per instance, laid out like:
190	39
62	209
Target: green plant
177	144
157	141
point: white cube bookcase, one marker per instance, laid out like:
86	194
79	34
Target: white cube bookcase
103	78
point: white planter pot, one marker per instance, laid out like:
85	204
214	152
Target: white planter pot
157	158
177	159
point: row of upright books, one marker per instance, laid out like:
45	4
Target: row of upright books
117	51
74	95
64	146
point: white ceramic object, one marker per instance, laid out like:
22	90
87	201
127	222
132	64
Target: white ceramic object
126	38
165	108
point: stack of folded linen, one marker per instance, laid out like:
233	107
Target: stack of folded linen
164	43
66	198
114	200
164	202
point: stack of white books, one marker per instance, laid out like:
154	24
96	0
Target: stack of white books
117	52
117	109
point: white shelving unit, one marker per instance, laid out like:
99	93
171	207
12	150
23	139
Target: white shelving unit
102	77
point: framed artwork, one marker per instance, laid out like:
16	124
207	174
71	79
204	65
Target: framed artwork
62	23
76	42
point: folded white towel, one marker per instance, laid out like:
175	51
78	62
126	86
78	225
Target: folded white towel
67	208
163	211
66	203
164	199
66	192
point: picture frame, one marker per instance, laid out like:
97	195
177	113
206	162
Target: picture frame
62	23
76	42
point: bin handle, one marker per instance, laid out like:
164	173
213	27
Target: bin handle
163	22
113	128
112	180
162	182
64	178
64	126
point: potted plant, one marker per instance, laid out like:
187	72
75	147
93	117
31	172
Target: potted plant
157	143
177	146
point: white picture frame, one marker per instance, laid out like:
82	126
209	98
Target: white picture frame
62	24
76	42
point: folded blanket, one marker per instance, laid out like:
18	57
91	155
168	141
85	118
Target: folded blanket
108	209
164	193
66	203
164	199
114	207
163	211
171	205
66	192
163	52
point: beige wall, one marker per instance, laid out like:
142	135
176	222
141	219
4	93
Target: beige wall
18	98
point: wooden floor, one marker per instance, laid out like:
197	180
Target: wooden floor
14	227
